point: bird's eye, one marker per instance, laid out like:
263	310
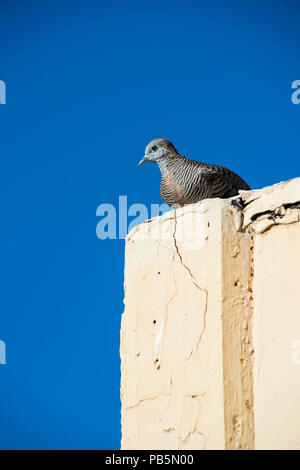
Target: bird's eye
154	148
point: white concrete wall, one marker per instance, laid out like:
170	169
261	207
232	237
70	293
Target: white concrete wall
211	324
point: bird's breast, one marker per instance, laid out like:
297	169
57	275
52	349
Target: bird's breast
170	190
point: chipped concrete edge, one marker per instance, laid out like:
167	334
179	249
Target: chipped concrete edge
271	206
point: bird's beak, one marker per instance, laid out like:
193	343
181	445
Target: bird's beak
144	159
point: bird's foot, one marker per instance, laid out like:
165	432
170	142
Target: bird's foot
238	202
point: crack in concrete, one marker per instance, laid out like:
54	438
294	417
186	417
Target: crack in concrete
282	215
195	428
157	221
194	281
278	213
172	297
147	399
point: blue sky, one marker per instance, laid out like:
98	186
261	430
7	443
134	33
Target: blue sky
88	85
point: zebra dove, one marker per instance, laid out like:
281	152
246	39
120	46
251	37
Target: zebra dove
185	181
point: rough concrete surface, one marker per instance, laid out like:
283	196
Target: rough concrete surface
211	323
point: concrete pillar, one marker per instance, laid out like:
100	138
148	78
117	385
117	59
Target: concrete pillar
209	331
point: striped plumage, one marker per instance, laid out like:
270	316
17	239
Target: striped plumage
185	181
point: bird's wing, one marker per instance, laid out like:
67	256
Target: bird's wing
222	182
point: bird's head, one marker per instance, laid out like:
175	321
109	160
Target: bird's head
157	150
